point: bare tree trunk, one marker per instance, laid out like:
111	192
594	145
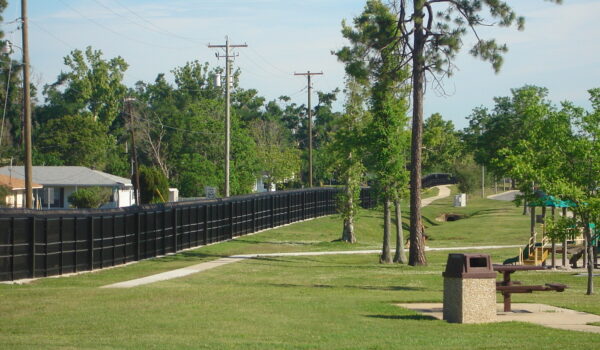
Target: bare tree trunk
417	246
553	240
590	257
386	256
348	233
400	256
564	243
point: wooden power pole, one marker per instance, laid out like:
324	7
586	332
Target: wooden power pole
134	159
310	165
228	81
27	108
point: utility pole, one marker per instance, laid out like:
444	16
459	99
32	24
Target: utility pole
310	165
227	57
134	160
26	109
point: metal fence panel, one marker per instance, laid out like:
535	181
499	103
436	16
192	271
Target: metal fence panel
46	243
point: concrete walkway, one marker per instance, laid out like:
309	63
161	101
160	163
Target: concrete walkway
545	315
444	192
235	258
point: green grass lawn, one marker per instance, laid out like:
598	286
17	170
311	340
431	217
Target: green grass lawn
317	302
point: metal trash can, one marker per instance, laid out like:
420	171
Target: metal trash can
469	289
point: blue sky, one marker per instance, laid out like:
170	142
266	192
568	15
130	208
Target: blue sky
558	49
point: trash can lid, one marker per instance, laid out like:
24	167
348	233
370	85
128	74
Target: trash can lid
469	266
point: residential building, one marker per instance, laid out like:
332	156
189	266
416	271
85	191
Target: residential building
60	182
16	197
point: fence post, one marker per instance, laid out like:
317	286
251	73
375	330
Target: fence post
230	218
61	238
272	210
32	246
137	236
174	229
289	208
254	214
205	224
91	243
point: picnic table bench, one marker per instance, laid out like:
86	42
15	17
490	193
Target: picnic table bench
507	287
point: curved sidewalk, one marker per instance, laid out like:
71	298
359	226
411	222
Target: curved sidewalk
444	192
235	258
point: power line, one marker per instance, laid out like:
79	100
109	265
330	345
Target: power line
120	34
159	30
154	25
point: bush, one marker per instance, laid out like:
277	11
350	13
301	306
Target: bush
468	177
4	191
154	186
92	197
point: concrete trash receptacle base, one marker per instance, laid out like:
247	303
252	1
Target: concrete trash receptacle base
469	300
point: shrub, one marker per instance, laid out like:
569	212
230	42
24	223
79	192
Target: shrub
154	186
92	197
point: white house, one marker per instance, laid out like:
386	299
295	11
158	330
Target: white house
60	182
16	197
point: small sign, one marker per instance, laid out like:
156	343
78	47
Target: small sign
210	192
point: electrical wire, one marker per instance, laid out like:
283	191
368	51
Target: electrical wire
269	63
120	34
154	25
159	31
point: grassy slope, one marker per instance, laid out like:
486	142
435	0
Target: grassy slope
325	302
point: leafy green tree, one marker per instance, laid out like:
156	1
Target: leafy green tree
91	197
372	59
277	157
197	172
92	86
561	155
441	143
347	151
154	186
72	140
429	35
511	120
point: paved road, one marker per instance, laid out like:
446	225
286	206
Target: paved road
505	196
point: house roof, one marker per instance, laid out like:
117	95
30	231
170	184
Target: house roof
68	176
14	183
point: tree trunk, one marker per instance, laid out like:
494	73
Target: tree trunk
386	256
400	256
553	240
564	242
417	247
590	256
348	232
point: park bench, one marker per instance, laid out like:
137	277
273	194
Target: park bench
508	287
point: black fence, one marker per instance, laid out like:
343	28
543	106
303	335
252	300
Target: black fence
47	243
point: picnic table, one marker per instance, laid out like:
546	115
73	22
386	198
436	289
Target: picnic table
507	286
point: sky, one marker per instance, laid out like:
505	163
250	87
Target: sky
558	49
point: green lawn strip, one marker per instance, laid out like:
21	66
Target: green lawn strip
317	302
504	225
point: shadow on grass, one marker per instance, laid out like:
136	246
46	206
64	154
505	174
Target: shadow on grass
190	255
275	242
380	288
404	317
